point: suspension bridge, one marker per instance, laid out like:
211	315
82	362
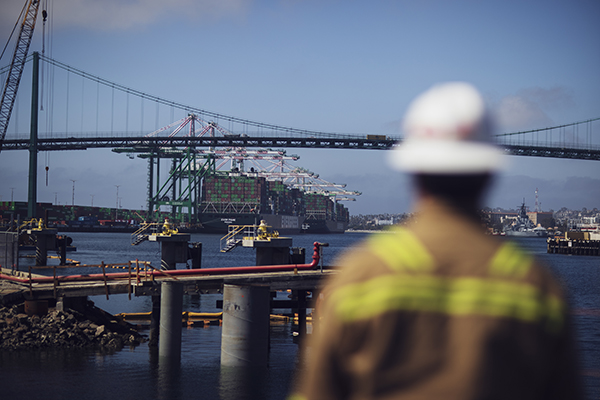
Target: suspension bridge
70	109
96	106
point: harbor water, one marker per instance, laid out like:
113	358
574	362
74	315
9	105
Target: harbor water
136	373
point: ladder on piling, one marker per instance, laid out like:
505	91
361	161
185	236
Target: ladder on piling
231	241
231	244
142	234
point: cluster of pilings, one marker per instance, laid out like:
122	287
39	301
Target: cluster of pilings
574	247
246	306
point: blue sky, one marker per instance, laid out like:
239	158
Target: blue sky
326	65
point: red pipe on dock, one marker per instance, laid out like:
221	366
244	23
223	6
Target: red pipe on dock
175	272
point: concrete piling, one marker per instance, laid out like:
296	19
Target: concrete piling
245	335
172	252
300	297
154	322
171	307
45	240
165	324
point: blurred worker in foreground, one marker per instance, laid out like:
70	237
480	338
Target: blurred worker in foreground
437	309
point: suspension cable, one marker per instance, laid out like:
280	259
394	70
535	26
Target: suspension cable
545	129
230	119
181	106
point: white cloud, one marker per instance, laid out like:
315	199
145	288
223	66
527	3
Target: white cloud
108	15
529	108
520	113
554	98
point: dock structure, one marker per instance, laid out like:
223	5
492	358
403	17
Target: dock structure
579	243
574	247
246	298
19	286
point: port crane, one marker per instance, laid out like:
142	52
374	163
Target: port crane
190	165
11	87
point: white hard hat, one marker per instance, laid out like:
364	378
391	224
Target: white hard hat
447	131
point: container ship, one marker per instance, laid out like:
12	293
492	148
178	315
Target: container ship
227	198
238	198
223	186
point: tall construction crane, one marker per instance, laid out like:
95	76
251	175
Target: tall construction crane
9	94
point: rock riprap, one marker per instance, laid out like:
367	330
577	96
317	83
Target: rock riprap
64	329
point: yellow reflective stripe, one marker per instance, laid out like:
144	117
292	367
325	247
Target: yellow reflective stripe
456	296
510	261
297	396
401	250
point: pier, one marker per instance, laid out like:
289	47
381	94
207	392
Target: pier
574	247
578	243
248	294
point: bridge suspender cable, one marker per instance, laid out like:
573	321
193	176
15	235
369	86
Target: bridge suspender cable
181	106
545	129
245	122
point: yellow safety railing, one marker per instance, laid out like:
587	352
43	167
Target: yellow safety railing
230	241
33	223
141	234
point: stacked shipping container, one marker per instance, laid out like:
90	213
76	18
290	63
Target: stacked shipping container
283	200
248	193
66	214
221	193
318	206
342	213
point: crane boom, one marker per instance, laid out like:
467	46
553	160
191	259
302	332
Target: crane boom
17	64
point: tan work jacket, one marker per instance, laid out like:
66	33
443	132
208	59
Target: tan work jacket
438	310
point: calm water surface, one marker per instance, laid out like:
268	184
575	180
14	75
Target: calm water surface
137	374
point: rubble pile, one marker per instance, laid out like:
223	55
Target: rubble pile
64	329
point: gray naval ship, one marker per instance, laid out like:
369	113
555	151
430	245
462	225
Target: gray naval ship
524	227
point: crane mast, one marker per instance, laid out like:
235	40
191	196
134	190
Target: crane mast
17	64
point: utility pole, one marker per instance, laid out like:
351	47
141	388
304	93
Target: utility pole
73	195
117	203
33	139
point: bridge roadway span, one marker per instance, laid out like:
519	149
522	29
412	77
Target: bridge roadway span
18	289
73	143
147	143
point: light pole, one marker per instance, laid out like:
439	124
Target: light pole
73	195
12	190
117	203
92	196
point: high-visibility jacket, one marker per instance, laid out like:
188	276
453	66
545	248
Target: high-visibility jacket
439	310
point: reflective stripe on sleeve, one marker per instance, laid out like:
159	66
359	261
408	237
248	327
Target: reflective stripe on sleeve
510	261
401	250
451	296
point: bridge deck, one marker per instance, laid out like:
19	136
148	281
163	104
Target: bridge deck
142	143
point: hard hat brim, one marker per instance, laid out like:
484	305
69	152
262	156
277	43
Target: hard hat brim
446	157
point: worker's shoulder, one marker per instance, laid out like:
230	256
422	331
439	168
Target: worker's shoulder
359	263
381	254
511	262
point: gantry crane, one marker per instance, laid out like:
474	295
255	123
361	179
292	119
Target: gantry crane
17	64
190	165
